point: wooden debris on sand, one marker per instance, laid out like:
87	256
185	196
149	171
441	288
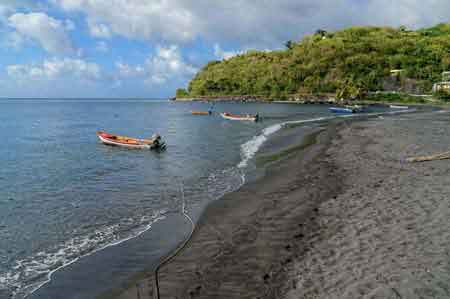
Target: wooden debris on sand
440	156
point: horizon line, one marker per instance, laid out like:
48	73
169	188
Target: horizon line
84	98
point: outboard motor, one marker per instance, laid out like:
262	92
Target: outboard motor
157	141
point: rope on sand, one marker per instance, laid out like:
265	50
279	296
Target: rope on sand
156	294
440	156
397	293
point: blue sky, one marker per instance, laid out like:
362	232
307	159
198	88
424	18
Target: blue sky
148	48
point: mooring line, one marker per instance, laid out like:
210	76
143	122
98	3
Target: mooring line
156	294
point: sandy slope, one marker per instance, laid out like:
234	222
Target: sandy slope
388	234
347	218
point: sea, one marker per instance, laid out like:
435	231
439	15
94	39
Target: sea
78	218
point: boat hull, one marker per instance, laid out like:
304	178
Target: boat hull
127	145
131	143
398	107
342	110
201	112
242	118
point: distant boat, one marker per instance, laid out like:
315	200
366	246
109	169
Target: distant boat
398	107
247	117
201	112
346	109
135	143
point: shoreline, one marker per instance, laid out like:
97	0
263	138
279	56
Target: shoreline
383	103
205	239
368	231
71	276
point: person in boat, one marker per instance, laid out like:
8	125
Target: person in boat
256	116
210	111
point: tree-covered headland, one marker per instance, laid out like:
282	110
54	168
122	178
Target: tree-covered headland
351	63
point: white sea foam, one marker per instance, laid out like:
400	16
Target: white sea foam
251	147
30	274
225	181
441	111
310	120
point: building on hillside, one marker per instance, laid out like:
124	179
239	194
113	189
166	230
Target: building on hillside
446	76
442	86
395	73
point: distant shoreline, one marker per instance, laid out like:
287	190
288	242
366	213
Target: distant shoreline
412	100
323	99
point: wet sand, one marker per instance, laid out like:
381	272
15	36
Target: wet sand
346	217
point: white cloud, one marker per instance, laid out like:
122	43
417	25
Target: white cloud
261	24
8	7
56	69
127	71
138	19
167	64
222	54
4	11
99	30
50	33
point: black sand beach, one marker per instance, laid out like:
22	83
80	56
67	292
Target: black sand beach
346	217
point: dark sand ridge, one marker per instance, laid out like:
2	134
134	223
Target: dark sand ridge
345	218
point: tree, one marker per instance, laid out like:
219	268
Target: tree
352	62
351	89
321	32
289	44
182	93
403	28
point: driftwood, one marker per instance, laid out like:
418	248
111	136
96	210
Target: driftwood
440	156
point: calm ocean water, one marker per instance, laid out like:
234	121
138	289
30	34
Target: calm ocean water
63	195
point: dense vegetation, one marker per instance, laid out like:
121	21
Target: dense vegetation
349	63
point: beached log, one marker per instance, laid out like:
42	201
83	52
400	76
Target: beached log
440	156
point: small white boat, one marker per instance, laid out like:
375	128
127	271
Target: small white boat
134	143
341	110
247	117
347	109
398	107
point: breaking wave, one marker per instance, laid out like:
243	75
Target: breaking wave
30	274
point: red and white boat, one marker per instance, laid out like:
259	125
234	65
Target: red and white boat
135	143
247	117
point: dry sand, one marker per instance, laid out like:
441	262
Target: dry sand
345	218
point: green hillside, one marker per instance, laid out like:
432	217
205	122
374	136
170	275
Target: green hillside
350	63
